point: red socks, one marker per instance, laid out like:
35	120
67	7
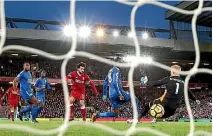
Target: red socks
12	115
83	113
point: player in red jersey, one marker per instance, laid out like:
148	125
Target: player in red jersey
79	79
13	100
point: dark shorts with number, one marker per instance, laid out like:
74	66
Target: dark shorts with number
167	107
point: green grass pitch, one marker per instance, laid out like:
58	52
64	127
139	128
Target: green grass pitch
172	128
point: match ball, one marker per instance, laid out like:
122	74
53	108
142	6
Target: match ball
157	111
129	121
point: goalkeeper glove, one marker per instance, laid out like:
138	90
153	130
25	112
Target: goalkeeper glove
144	80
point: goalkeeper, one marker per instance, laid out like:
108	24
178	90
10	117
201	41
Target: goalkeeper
173	94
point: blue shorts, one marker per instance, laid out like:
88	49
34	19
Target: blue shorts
40	99
116	102
26	95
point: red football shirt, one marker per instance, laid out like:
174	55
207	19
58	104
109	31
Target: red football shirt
13	97
78	81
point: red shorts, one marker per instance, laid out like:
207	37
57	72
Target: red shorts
78	94
13	104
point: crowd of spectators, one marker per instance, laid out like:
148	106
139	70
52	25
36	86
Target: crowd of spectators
55	104
10	67
204	110
55	108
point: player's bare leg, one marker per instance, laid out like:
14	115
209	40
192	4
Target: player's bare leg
33	101
12	112
72	100
94	117
41	106
83	110
116	111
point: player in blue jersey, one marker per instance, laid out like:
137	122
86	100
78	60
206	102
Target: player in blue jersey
117	95
41	86
25	79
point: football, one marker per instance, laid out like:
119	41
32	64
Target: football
129	121
156	111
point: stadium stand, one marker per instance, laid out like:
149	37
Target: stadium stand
10	66
55	102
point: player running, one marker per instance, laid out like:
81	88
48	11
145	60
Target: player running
78	80
13	101
117	95
41	85
25	79
173	94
